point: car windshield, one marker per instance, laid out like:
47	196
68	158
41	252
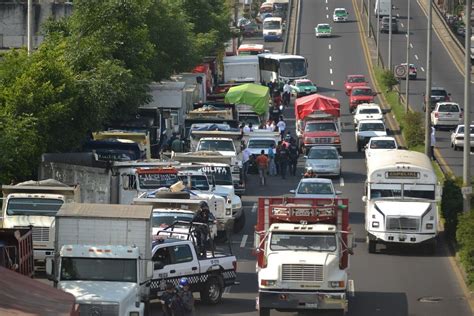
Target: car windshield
98	269
379	127
369	111
271	25
320	127
341	12
315	188
33	206
439	93
323	27
321	153
356	79
448	108
304	84
382	144
198	182
461	130
283	241
221	175
216	145
166	219
260	143
366	92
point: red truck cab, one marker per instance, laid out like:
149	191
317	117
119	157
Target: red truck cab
354	81
321	132
363	94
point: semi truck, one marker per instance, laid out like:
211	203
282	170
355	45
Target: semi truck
303	247
103	257
34	204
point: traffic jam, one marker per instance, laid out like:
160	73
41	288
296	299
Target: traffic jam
147	228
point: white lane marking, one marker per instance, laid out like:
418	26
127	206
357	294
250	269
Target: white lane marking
330	58
326	1
327	16
402	24
254	208
327	8
329	46
351	287
330	71
416	57
341	181
227	290
398	15
406	35
244	241
332	83
411	45
422	69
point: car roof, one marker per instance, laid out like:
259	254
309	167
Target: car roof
314	148
316	180
340	9
437	88
443	103
370	121
352	76
382	138
323	24
302	80
368	106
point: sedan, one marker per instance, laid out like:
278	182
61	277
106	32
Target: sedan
457	137
303	87
324	160
315	188
323	30
354	81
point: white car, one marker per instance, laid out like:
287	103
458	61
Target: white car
315	188
164	218
367	111
446	114
367	129
323	30
378	144
340	15
457	137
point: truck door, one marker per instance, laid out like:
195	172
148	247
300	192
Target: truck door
174	262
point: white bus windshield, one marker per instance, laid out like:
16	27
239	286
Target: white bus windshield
271	25
406	191
293	68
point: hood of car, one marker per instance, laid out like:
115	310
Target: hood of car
321	134
362	97
322	163
372	133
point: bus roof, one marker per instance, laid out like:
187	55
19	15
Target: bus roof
245	47
398	159
280	56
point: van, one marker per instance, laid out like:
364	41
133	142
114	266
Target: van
385	25
382	8
273	29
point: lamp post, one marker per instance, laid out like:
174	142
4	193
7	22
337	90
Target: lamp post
390	37
407	81
29	32
428	83
466	174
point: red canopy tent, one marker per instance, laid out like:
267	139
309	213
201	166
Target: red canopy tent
315	103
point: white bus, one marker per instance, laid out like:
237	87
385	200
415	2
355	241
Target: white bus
282	67
401	195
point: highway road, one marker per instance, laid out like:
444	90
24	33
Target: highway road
398	282
444	72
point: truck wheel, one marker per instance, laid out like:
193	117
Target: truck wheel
264	311
212	292
372	246
239	223
173	195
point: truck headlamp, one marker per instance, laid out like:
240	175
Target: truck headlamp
134	314
375	224
228	211
336	283
429	225
267	282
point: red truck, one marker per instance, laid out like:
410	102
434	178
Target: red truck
303	247
16	250
360	95
317	122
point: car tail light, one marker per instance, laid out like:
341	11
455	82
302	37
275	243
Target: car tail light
337	140
461	115
436	114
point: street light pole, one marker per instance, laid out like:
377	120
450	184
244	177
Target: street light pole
466	174
407	81
368	20
390	38
428	83
377	5
29	31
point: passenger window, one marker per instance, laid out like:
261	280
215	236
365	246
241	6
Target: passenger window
162	257
182	254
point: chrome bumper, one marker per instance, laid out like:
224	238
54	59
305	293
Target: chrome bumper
302	300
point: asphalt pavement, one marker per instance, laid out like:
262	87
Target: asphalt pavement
444	71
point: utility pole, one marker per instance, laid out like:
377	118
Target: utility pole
407	81
390	38
29	31
368	20
466	174
428	83
377	6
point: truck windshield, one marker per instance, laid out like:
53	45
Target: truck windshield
271	25
197	182
385	191
222	175
378	127
33	206
98	269
305	242
362	92
382	144
369	111
320	127
216	145
148	181
261	143
163	219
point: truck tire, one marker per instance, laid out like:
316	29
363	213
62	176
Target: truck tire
173	195
264	311
372	246
212	292
239	223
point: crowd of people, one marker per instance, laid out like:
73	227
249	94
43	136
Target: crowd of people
178	301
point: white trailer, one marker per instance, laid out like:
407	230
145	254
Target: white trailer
401	199
241	68
103	257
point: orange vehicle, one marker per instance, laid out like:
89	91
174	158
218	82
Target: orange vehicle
250	49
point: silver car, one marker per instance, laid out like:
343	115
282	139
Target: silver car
315	188
324	160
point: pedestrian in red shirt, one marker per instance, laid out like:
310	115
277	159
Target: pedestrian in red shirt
262	164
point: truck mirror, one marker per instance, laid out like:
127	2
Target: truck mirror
338	192
364	198
293	191
149	269
305	157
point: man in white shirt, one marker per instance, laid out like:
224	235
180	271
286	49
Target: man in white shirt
248	128
246	161
281	127
286	93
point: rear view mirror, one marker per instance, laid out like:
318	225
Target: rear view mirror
149	269
293	191
350	243
338	192
305	157
364	198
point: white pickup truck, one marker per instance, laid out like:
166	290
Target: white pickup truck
175	258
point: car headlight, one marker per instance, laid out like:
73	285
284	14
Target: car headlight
337	283
429	226
375	224
267	282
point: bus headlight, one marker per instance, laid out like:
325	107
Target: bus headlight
375	224
429	225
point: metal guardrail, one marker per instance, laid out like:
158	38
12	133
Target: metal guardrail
459	45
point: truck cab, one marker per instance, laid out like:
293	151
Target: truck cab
302	248
321	132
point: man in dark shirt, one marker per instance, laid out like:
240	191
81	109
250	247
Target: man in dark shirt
202	218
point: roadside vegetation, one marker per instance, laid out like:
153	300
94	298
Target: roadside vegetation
95	67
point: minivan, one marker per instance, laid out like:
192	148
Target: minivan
385	26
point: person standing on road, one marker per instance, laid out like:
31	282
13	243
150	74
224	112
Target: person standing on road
433	142
281	127
246	161
202	217
293	154
262	164
286	93
186	297
284	159
167	298
271	163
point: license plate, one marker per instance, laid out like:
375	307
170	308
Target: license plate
311	305
302	212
